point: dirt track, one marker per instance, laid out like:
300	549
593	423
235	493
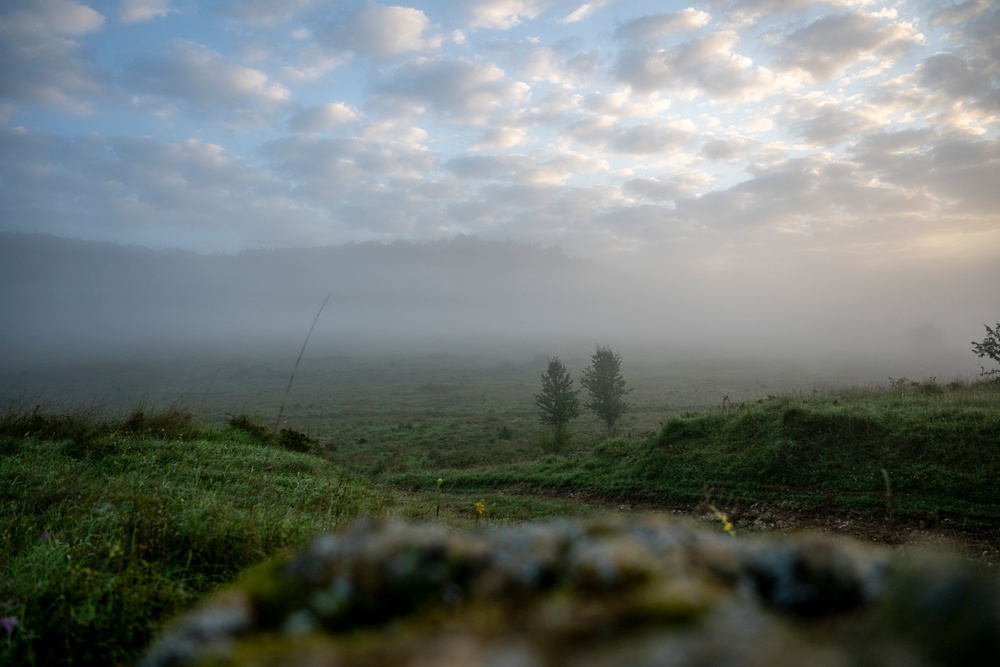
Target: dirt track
978	540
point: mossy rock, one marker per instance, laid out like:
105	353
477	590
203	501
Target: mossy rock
613	591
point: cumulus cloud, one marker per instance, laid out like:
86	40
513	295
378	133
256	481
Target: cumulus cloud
834	43
323	117
648	139
500	138
662	189
655	27
952	75
378	31
584	11
45	18
498	14
957	87
730	149
42	54
958	13
546	64
204	79
462	90
621	104
709	65
137	11
807	196
642	139
826	123
329	172
139	190
539	169
983	33
263	12
965	173
743	11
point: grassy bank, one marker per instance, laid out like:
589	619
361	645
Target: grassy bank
111	527
939	446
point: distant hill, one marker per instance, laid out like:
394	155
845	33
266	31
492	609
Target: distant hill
57	294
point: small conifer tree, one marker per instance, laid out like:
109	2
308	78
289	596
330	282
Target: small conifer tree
604	380
558	402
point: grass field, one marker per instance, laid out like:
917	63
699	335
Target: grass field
119	515
923	450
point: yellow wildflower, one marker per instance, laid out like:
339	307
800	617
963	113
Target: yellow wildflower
727	526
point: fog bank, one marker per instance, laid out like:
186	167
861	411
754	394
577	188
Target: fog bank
65	300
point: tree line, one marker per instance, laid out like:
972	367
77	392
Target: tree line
559	403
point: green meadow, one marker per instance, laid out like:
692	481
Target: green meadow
121	512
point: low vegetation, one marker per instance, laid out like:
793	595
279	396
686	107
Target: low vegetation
937	445
112	526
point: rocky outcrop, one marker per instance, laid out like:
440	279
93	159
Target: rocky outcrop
616	591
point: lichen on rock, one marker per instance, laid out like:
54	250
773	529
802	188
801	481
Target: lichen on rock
611	591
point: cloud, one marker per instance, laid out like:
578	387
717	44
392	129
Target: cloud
138	11
965	173
378	31
665	188
497	14
648	139
546	64
263	12
952	75
323	117
501	138
983	33
731	149
139	190
329	172
749	11
657	26
204	79
43	61
641	139
708	65
967	78
621	104
459	89
539	169
46	18
814	196
826	123
584	11
554	65
834	43
958	13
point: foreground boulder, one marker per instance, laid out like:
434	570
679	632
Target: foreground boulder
637	592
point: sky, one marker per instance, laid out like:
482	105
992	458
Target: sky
832	151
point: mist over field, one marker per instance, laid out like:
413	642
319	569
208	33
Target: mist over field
68	301
798	182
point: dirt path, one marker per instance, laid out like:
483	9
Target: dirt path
977	540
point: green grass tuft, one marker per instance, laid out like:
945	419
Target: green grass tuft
111	527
